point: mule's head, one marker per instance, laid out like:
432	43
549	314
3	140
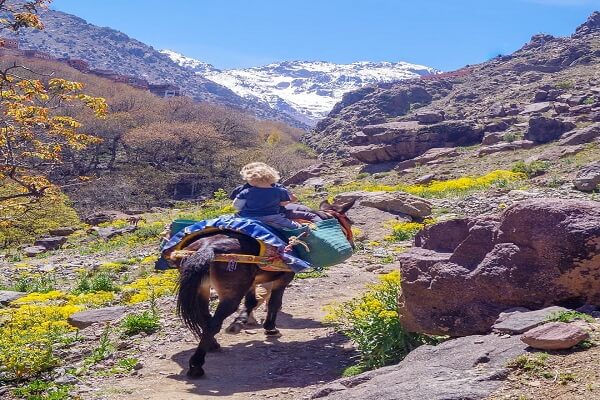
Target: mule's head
338	211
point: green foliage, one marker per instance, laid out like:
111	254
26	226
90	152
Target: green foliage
310	274
589	101
42	390
22	226
565	85
532	364
147	322
220	195
569	316
42	283
512	136
99	282
532	169
362	175
127	364
371	322
104	348
352	371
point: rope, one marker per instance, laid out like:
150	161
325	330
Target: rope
294	241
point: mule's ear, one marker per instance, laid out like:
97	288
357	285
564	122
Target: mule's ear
324	206
344	207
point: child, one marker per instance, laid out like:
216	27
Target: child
262	198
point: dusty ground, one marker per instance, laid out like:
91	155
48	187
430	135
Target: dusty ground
249	364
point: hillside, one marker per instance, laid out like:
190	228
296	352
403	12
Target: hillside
66	35
549	77
305	90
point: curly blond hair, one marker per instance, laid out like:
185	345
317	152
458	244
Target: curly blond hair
259	174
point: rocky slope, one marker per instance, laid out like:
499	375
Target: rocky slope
66	35
547	88
305	90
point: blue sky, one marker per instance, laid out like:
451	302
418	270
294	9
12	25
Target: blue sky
445	34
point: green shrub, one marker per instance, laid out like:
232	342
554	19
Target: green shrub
371	322
532	169
569	316
42	390
565	85
42	283
512	136
146	321
99	282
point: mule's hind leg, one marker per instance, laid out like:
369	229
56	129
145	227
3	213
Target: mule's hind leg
275	302
250	303
207	342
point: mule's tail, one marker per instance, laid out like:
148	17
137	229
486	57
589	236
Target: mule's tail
192	302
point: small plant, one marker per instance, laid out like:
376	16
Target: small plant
352	371
362	175
147	322
42	283
569	316
104	348
531	364
310	274
402	231
42	390
127	364
565	85
566	377
512	136
532	169
371	322
589	101
100	282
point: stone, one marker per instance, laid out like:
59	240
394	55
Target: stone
466	368
492	138
395	202
110	232
83	319
561	108
32	251
369	221
399	141
588	178
51	242
554	336
521	321
431	117
425	179
540	96
62	231
430	155
496	126
304	174
505	146
463	273
104	216
544	130
537	108
581	136
6	296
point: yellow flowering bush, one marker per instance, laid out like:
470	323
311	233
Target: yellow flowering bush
405	230
371	322
452	187
156	285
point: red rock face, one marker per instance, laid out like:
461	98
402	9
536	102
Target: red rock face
554	336
463	273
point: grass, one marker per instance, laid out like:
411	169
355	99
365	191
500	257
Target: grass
42	390
310	274
147	322
532	169
104	348
569	316
99	282
41	283
532	364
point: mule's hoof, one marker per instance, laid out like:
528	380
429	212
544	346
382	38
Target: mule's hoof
252	320
272	332
214	347
234	328
195	372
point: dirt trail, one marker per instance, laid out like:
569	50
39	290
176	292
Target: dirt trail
251	366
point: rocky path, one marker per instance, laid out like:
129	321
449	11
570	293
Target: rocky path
251	366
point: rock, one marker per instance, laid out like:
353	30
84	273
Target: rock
311	172
428	156
588	309
539	252
466	368
370	221
492	138
561	108
6	296
581	136
505	146
554	336
425	179
544	130
537	108
540	96
63	231
398	141
395	202
110	232
497	126
588	178
51	242
431	117
521	321
32	251
104	216
315	183
83	319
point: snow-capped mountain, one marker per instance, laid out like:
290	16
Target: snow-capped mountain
305	90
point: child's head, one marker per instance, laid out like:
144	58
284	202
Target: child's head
259	174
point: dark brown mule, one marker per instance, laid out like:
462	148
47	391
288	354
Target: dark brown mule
199	273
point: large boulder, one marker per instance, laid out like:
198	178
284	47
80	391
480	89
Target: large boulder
581	136
588	178
51	242
463	273
431	155
544	130
460	369
304	174
394	202
555	336
398	141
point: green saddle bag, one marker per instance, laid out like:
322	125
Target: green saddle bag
327	244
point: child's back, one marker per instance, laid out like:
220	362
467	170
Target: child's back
261	201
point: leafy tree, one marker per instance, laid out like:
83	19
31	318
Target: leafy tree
34	134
